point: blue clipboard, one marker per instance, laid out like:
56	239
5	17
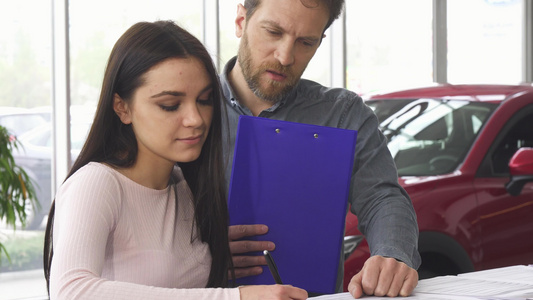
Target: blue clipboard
295	178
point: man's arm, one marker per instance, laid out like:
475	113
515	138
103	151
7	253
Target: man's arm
386	216
248	265
383	208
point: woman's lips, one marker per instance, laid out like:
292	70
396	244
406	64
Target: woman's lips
191	140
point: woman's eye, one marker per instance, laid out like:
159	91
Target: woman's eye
207	102
169	108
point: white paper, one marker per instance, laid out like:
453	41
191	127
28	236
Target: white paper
508	283
347	296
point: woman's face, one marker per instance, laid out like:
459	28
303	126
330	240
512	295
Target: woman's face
171	112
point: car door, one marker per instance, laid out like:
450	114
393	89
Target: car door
505	221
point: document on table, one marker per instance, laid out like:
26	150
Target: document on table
508	283
347	296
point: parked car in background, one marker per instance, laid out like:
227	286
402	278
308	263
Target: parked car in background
35	156
18	120
464	155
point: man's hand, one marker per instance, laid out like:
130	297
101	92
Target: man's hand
248	265
383	276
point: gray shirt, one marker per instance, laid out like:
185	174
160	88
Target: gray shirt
384	210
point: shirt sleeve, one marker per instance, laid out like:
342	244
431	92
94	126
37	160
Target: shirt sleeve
384	210
87	207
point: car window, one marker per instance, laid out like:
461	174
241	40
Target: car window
41	138
516	134
79	132
429	136
18	124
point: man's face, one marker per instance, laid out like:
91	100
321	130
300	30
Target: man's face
277	43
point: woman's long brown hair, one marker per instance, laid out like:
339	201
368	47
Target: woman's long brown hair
141	47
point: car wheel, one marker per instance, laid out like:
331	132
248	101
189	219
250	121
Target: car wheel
434	264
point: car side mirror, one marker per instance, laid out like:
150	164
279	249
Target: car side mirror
521	170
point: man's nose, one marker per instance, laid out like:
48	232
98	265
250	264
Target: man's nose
285	53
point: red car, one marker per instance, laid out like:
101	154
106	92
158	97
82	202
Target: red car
464	155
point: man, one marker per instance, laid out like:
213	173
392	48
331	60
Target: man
278	39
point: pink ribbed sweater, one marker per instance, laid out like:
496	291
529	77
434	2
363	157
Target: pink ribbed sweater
116	239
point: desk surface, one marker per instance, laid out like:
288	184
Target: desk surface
508	283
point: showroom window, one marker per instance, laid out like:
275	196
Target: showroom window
388	44
485	41
25	99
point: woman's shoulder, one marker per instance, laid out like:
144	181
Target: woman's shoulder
94	176
93	191
96	170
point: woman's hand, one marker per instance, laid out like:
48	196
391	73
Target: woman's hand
274	292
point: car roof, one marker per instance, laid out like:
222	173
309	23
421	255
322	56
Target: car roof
18	111
493	93
11	110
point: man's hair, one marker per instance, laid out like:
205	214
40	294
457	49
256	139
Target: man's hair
334	6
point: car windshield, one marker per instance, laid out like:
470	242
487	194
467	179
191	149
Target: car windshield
429	136
42	136
17	124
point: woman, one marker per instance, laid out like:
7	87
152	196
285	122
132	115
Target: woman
142	214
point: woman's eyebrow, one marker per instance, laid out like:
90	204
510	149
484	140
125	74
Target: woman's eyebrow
178	93
165	93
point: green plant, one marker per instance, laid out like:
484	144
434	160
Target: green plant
16	188
25	251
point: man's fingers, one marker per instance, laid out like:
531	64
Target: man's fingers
387	278
410	283
355	287
237	247
382	276
248	265
392	288
236	232
244	261
244	272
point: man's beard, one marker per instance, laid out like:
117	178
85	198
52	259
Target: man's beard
275	91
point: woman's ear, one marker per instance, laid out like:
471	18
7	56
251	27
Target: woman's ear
121	109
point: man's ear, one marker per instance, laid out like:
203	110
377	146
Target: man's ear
121	109
240	20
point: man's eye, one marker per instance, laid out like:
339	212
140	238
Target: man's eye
169	108
273	32
308	43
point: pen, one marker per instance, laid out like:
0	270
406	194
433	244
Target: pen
272	266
